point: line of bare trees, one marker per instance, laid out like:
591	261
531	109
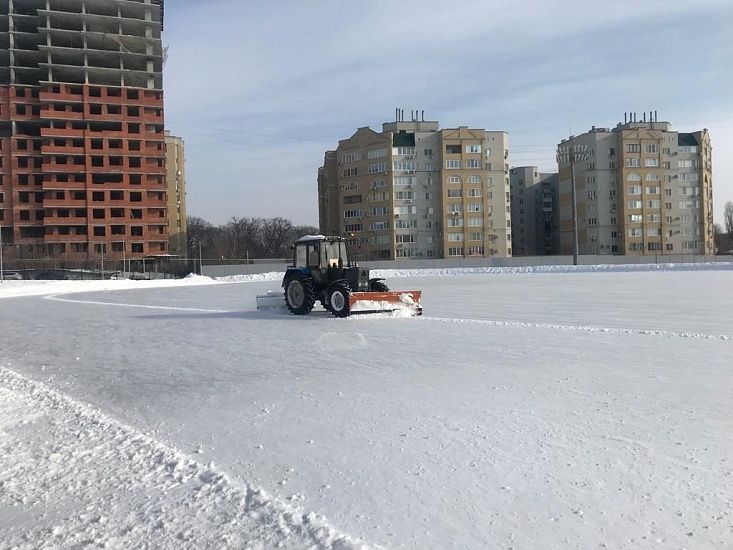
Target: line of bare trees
244	238
725	243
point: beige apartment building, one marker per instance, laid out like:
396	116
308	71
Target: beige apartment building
414	190
175	161
641	188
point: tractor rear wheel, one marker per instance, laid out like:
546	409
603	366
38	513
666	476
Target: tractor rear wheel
338	299
299	295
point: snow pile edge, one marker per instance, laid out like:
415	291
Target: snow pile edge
85	478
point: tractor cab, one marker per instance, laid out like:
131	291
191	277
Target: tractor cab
320	253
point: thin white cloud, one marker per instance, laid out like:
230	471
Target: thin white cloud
248	83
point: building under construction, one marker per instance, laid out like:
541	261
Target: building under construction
82	143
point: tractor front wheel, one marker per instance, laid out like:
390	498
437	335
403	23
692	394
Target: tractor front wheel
299	295
338	299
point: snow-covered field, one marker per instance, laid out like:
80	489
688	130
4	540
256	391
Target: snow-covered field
552	408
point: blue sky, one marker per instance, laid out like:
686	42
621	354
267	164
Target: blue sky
259	90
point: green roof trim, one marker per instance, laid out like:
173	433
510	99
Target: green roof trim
686	139
403	139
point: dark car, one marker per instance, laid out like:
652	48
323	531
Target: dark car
51	276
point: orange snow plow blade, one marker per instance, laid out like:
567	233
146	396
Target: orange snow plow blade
379	302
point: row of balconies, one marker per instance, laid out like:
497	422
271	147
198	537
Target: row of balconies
145	115
101	94
75	133
105	167
105	150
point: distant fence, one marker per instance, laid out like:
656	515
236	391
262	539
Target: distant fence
176	268
265	266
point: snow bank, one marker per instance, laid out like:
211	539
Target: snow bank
54	494
540	269
10	289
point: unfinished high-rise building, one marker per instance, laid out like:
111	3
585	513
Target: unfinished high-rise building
82	142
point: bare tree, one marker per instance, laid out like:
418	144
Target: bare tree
244	239
200	237
728	222
277	236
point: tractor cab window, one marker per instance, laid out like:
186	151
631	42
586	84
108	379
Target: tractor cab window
333	254
300	255
313	255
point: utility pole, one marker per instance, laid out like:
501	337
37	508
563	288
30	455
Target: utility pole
572	154
2	278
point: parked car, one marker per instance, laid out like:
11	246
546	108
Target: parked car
12	276
51	276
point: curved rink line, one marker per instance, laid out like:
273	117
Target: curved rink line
423	318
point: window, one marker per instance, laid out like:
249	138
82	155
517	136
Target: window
652	190
633	162
454	193
405	224
473	149
633	148
404	165
454	179
654	204
373	154
652	162
473	163
455	237
455	222
405	209
357	213
453	164
475	207
635	218
651	148
453	149
635	232
633	176
475	222
474	179
455	251
377	167
633	190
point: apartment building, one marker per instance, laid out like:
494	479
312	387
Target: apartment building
175	162
81	128
414	190
534	205
641	189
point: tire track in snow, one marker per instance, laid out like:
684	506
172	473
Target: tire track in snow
60	298
580	328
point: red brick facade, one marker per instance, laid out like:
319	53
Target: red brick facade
83	167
